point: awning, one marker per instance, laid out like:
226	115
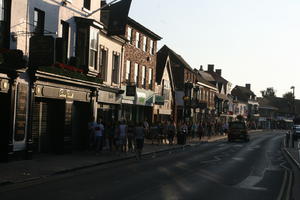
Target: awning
140	98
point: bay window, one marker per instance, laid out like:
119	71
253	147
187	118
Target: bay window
93	48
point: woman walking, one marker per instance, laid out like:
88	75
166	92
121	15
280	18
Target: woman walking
139	135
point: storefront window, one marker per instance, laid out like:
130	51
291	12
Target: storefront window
20	123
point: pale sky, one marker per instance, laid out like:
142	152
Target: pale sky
252	41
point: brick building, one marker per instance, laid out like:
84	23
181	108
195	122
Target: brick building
138	72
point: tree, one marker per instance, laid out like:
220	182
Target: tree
288	95
269	92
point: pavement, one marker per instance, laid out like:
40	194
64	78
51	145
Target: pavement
293	151
45	165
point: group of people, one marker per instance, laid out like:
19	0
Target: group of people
117	136
129	136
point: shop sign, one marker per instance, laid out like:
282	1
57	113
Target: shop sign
41	51
107	97
4	85
140	98
130	90
63	93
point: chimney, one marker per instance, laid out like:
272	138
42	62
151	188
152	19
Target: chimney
248	86
103	3
210	68
219	72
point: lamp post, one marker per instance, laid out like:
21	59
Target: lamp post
293	88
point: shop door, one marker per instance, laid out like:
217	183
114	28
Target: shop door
55	125
80	118
4	125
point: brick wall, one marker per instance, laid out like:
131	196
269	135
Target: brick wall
137	55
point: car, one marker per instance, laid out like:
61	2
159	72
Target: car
237	130
296	132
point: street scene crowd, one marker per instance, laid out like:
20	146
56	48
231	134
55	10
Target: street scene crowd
128	136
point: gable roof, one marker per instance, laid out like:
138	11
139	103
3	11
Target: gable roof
142	28
217	77
175	58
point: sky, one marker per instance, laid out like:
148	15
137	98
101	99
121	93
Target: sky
252	41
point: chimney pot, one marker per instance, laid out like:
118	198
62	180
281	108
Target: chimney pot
210	67
219	72
248	86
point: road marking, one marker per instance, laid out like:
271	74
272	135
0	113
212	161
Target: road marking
238	159
249	183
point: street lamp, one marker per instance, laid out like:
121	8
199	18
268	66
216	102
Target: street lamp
293	88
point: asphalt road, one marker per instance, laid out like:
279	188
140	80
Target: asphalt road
219	170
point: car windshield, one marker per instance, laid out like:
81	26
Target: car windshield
237	125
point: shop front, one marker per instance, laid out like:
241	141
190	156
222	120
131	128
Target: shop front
139	107
5	115
60	116
108	107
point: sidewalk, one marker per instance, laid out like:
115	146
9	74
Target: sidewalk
293	152
45	165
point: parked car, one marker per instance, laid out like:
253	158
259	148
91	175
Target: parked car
296	132
238	130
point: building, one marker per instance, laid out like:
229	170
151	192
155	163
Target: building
246	104
164	90
138	74
186	92
67	80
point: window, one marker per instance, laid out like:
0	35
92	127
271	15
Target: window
116	67
65	38
145	43
39	21
127	73
103	63
93	48
2	10
136	72
129	35
87	4
152	47
150	78
137	40
143	76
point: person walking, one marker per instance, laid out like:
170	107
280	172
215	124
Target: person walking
200	130
91	137
130	136
171	132
122	136
139	135
99	134
110	132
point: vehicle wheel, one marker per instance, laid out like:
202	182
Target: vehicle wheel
229	140
247	140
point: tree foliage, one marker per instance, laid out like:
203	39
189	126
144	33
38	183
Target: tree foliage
269	92
288	95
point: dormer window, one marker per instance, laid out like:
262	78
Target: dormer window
87	4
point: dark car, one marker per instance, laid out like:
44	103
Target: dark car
237	131
296	132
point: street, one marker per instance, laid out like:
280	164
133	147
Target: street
217	170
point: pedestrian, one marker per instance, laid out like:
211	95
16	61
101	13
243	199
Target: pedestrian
110	132
122	136
139	135
130	136
200	130
99	134
171	132
184	132
91	136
